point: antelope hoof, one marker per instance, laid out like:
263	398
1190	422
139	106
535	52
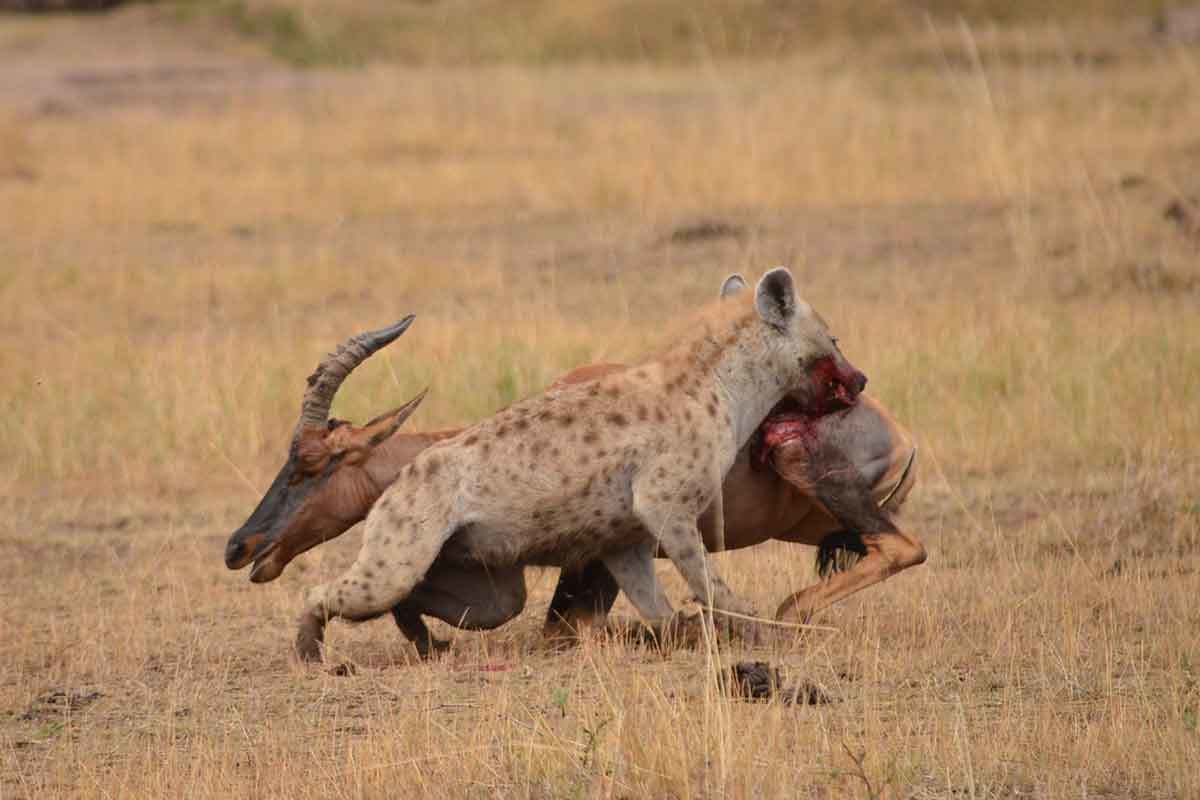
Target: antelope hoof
433	649
791	610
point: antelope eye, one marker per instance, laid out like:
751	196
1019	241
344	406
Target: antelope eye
834	339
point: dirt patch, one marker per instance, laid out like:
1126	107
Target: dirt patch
58	702
132	57
706	230
1186	216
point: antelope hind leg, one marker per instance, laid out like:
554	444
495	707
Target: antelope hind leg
470	598
582	598
408	620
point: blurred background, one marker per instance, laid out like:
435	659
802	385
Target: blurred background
995	203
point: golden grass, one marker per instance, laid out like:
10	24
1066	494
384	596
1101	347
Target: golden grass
341	32
986	236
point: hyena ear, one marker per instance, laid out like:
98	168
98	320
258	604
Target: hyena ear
775	297
732	285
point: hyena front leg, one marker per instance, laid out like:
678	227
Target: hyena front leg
633	570
395	556
671	518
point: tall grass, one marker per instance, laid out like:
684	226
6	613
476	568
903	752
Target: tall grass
183	272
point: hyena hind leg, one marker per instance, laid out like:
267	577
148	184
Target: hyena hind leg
383	575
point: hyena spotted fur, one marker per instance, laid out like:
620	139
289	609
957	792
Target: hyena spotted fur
615	468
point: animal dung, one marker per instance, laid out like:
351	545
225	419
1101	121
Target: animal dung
760	681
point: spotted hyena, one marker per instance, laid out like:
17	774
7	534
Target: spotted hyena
614	468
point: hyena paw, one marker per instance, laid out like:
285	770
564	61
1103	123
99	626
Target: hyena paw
308	639
749	632
684	629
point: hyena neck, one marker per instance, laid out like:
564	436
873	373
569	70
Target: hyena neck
739	371
748	386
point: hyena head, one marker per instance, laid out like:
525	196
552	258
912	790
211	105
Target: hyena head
797	343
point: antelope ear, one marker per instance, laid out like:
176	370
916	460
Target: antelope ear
775	297
732	285
383	426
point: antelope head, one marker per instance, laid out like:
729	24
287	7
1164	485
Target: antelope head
327	484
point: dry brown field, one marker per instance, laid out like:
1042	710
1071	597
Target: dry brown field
1001	223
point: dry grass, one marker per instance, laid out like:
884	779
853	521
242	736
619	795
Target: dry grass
980	218
342	32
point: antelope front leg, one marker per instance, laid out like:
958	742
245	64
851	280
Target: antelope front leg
849	497
888	552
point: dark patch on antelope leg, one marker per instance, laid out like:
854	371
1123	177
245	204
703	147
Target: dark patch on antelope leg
841	488
889	550
838	552
409	621
848	497
581	597
851	503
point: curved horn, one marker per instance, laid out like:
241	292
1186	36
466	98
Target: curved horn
333	369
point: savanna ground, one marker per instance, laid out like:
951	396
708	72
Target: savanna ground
1000	221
